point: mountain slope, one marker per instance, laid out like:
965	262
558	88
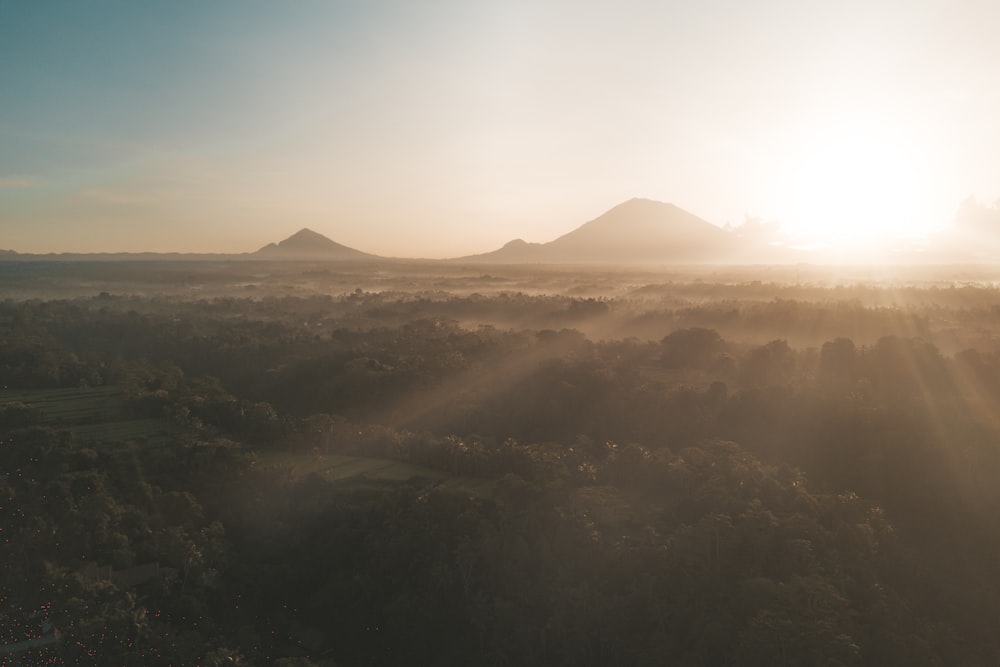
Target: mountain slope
642	230
517	251
308	244
637	231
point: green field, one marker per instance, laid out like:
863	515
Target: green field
69	406
99	415
354	469
94	415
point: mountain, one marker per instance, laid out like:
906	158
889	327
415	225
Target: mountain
637	231
303	244
517	251
307	244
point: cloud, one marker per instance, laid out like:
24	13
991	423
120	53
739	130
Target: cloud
759	230
17	183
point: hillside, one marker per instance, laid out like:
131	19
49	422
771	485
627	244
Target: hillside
636	231
308	244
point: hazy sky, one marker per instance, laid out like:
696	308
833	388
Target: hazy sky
445	128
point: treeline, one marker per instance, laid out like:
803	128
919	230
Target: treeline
956	317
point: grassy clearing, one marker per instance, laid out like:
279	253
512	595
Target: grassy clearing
69	406
98	415
150	430
354	469
94	415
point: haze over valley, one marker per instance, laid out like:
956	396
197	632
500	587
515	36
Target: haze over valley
336	335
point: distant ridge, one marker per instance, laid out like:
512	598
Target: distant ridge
517	251
304	244
636	231
307	244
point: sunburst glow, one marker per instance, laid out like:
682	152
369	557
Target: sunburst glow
854	184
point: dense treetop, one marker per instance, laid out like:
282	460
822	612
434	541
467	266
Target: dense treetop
687	475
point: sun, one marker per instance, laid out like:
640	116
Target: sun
853	184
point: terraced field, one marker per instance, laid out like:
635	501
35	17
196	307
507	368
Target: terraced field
94	415
69	406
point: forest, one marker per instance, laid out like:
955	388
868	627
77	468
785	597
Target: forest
318	465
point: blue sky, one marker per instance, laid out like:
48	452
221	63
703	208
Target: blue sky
443	128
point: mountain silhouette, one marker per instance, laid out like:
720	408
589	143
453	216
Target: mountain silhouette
636	231
517	251
639	231
307	244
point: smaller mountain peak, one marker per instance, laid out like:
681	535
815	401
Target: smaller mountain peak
306	238
306	242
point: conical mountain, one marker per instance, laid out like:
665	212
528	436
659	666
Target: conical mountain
637	231
642	230
307	244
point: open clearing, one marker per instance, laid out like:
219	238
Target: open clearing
94	415
340	468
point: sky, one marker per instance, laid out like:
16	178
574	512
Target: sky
439	129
